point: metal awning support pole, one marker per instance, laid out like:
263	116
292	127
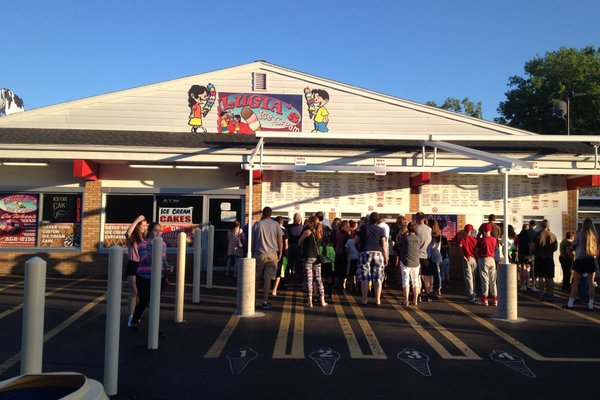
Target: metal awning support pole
595	156
250	195
423	156
506	220
506	272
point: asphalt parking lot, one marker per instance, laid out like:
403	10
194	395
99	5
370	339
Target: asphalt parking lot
447	348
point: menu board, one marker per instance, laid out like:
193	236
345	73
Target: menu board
18	219
61	220
359	193
484	194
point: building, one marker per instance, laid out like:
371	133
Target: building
74	175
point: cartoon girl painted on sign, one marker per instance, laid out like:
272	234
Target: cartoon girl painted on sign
200	101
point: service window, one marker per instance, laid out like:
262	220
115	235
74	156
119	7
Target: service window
60	226
178	214
120	211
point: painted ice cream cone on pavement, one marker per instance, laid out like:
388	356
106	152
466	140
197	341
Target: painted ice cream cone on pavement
325	359
239	359
417	360
512	361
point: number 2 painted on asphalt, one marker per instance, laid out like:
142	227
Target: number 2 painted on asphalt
325	353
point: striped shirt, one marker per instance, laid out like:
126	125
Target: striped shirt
145	250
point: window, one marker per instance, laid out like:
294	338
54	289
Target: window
120	211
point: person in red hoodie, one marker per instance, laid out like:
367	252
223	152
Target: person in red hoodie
468	244
486	249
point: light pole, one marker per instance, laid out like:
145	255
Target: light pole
563	108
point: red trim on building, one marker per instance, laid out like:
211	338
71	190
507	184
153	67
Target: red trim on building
85	169
420	179
257	176
583	181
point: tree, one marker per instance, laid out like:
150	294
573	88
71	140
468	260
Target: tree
530	101
464	106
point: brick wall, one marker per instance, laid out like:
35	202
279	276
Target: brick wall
257	205
569	221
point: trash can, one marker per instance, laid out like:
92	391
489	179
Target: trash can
52	386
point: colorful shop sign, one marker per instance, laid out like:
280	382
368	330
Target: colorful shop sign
246	113
18	219
448	224
174	220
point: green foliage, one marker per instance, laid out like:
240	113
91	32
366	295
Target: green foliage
531	99
464	106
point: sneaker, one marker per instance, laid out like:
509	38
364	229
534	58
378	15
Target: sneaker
482	302
133	325
523	288
472	299
534	289
266	305
495	301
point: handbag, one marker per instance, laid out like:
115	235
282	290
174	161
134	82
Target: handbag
319	259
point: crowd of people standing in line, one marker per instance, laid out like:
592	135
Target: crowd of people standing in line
361	256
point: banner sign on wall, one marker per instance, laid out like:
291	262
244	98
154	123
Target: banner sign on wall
247	113
18	219
115	234
448	224
174	220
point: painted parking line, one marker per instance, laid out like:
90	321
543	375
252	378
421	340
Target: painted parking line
515	342
217	348
297	348
433	342
355	351
10	286
10	362
50	293
579	312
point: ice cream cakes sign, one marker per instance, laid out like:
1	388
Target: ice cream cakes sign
246	113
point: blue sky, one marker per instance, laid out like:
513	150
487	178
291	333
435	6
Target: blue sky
56	51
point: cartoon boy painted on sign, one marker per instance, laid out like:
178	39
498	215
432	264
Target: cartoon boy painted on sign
200	101
316	100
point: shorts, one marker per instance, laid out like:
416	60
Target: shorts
410	276
427	268
526	260
370	266
131	269
266	266
585	265
544	267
